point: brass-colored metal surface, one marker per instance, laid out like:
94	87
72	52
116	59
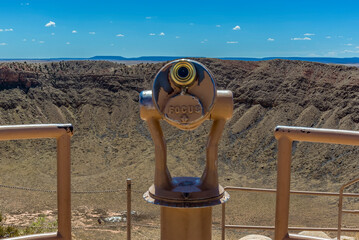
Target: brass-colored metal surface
312	193
318	135
283	188
186	108
268	190
184	94
186	80
43	236
314	229
129	210
62	133
223	223
185	104
186	223
150	198
64	186
285	136
340	205
34	131
303	237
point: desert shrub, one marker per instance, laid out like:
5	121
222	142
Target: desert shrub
40	225
7	231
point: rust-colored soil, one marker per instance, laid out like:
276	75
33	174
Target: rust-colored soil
111	142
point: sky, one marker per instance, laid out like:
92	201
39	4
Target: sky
291	28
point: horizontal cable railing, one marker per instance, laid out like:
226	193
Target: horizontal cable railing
74	192
272	228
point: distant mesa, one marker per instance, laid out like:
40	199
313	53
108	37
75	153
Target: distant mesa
353	61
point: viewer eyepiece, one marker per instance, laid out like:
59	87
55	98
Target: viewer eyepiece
183	73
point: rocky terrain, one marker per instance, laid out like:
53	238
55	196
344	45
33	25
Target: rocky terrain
112	143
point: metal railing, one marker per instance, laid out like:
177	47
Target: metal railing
311	193
128	218
128	212
286	136
62	133
340	206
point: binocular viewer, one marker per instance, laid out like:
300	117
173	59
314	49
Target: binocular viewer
184	94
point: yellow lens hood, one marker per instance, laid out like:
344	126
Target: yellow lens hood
183	81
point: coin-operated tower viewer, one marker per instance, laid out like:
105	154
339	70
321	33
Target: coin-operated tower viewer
184	94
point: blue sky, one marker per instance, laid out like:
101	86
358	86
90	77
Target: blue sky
44	29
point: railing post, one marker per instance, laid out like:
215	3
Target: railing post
62	133
223	221
283	188
64	186
340	205
128	219
340	213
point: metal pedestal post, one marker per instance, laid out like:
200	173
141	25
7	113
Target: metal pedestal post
186	223
184	94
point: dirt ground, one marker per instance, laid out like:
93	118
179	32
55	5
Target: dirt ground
111	143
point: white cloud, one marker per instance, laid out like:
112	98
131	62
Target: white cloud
41	42
328	37
3	44
232	42
24	40
92	33
308	34
237	28
348	44
270	39
6	30
332	53
162	34
68	43
357	47
350	51
178	37
204	41
218	25
313	55
301	39
50	24
52	34
152	34
120	35
148	17
33	40
74	31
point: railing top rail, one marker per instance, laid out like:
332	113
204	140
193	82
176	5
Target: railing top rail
348	184
34	131
296	228
23	126
42	236
318	135
247	189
